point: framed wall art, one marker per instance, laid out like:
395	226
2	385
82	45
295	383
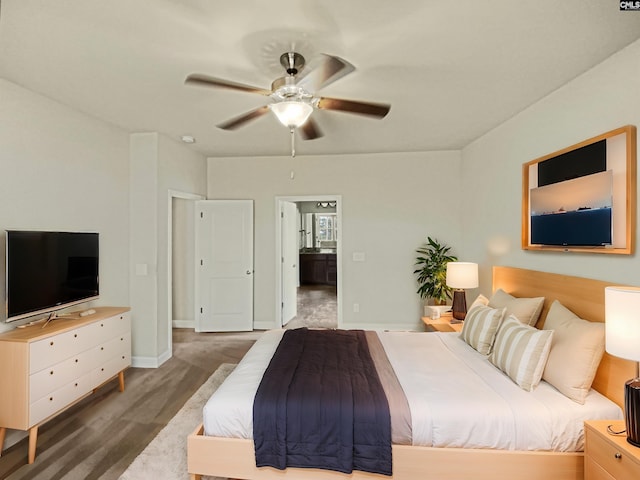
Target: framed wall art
582	198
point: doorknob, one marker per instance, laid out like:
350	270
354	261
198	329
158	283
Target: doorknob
248	272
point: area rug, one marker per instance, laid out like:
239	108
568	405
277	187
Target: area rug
165	458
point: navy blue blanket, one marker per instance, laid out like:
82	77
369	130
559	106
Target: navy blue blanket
321	405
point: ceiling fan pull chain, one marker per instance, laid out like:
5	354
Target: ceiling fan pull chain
293	144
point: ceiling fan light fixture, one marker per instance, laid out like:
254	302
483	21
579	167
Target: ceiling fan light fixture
292	114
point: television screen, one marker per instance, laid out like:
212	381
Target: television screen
48	271
575	212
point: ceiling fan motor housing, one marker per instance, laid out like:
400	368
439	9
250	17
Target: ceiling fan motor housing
292	62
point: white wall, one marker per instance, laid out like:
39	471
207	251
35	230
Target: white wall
63	170
183	170
390	203
158	166
143	267
602	99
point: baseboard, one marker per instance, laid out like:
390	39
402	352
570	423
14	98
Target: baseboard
165	356
264	325
184	324
144	362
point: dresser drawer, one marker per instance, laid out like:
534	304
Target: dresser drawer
612	459
59	399
110	369
101	330
112	348
45	381
593	471
51	351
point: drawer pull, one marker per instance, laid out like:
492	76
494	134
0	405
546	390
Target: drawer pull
101	348
76	360
102	324
76	384
618	455
102	369
51	399
51	344
75	335
51	372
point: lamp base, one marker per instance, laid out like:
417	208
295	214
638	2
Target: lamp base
632	411
459	305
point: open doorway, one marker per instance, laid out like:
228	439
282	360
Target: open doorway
308	256
181	262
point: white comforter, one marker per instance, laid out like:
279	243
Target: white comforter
456	396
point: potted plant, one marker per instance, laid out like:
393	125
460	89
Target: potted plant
432	271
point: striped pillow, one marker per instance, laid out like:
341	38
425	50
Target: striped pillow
480	327
521	352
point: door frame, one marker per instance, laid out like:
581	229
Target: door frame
184	196
290	272
278	250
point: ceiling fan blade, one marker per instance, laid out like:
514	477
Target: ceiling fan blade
207	81
310	130
379	110
242	119
328	71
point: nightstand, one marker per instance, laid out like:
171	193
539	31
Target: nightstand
609	457
442	324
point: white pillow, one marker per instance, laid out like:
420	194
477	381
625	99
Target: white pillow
521	352
527	310
480	327
480	300
576	350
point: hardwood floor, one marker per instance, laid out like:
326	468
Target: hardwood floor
101	435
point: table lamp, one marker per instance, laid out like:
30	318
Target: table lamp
461	275
622	339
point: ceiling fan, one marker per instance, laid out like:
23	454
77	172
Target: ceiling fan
293	96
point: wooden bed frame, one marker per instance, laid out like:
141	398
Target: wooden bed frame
234	458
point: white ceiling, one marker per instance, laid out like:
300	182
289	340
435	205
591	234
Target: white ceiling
452	70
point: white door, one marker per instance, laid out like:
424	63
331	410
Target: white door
224	262
290	252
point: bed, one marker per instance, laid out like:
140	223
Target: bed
235	458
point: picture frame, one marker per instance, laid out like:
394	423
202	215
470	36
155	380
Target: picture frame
583	198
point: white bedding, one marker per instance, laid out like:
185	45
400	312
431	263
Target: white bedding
456	396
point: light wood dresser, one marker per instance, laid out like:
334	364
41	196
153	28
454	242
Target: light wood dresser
45	370
609	457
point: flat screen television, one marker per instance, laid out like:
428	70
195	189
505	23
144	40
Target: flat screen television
576	212
49	271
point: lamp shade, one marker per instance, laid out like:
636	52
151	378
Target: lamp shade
292	114
462	275
622	322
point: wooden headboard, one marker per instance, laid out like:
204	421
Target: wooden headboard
585	298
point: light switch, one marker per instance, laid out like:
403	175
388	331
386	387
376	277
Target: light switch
358	256
142	269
